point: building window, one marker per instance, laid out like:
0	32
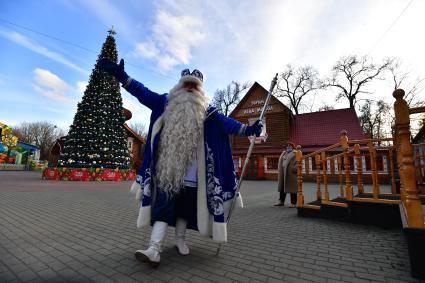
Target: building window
271	163
236	164
385	163
130	143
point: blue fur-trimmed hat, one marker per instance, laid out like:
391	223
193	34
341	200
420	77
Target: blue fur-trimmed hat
194	77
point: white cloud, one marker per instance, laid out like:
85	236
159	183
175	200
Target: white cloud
172	41
147	50
34	46
81	87
50	85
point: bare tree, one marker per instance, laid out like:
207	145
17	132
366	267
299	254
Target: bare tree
225	100
326	107
42	134
139	128
350	75
295	83
373	117
412	88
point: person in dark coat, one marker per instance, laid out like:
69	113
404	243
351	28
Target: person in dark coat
287	170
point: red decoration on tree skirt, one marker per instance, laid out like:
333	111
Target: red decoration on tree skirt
110	175
88	174
51	174
79	175
131	175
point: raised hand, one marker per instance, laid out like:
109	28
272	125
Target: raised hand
254	129
117	70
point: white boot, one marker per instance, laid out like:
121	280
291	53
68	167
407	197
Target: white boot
152	253
180	235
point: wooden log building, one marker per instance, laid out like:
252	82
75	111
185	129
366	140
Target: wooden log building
277	122
312	131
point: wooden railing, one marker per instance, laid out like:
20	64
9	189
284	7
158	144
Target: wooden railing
345	149
339	155
411	202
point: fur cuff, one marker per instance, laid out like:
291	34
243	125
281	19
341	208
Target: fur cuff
127	83
239	202
134	187
139	194
144	217
220	232
136	190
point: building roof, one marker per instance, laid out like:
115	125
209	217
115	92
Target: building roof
134	134
318	129
27	146
420	136
257	88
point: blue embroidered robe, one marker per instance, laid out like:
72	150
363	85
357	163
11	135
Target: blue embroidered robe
216	175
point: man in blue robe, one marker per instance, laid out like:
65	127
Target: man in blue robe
187	177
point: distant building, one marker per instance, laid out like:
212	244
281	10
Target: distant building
419	156
136	146
277	124
420	136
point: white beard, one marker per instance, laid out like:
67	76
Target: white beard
183	124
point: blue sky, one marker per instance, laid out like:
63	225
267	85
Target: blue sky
42	78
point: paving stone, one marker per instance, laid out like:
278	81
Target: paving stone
26	275
59	231
235	277
118	277
294	279
57	266
105	270
369	276
197	279
48	274
37	266
7	276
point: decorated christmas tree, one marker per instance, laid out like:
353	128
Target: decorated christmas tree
97	137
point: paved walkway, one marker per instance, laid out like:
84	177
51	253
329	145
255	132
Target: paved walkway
85	232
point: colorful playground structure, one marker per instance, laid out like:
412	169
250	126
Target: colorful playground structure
15	154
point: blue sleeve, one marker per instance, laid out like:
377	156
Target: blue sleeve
147	97
229	125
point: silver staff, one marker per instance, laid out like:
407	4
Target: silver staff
248	155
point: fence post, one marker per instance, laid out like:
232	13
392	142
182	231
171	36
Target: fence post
325	175
318	192
411	203
346	148
375	181
300	196
393	185
360	187
341	190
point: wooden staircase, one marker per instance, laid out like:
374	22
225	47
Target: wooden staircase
402	208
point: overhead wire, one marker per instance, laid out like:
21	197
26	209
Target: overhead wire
391	26
78	46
